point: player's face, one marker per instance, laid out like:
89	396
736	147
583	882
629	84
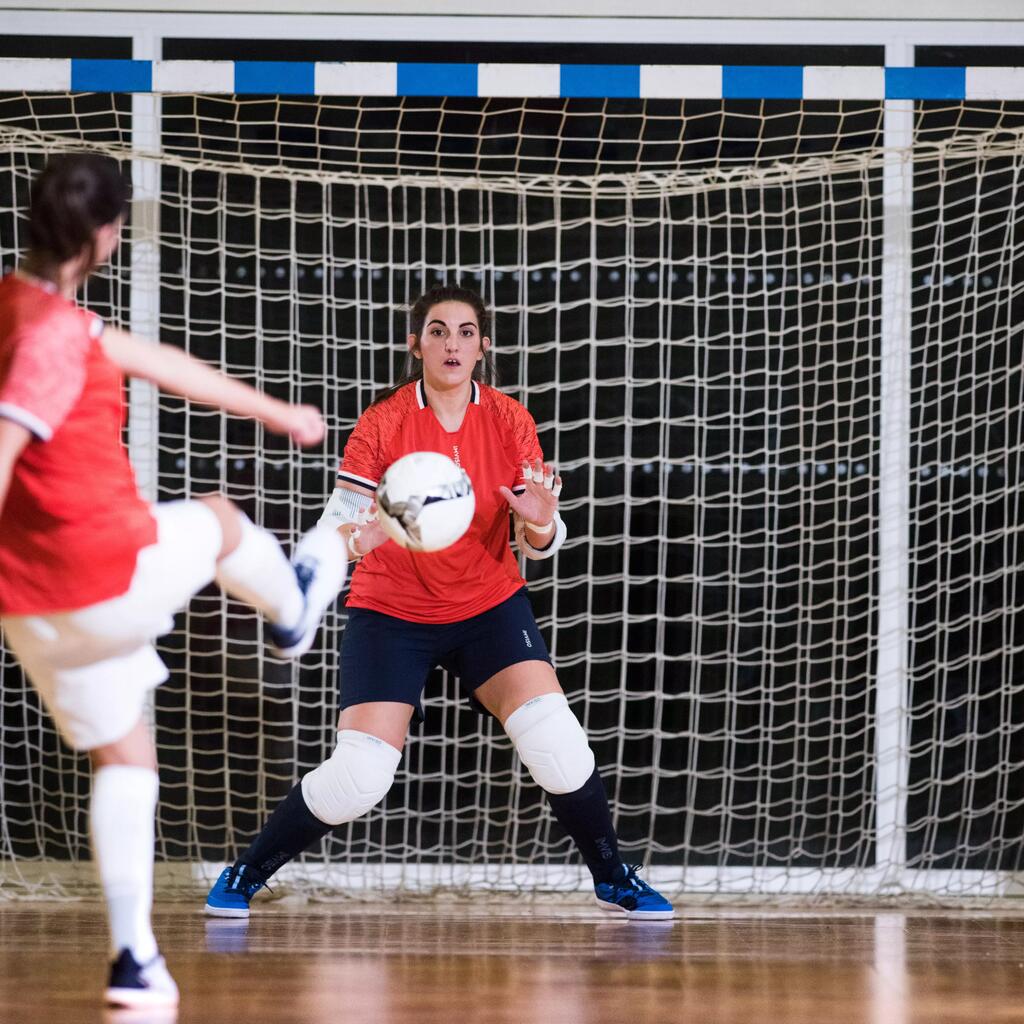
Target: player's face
450	344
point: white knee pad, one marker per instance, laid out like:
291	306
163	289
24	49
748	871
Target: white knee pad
551	743
352	780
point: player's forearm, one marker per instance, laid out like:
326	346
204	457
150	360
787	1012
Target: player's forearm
179	373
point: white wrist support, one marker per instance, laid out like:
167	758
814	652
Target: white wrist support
538	554
345	506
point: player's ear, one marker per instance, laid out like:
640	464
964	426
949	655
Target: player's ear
414	346
106	239
485	344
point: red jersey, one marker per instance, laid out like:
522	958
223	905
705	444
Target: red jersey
479	571
73	522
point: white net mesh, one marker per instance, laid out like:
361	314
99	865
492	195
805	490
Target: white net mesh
688	299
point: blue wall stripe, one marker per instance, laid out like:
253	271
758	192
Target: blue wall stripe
762	83
111	75
600	80
925	83
284	78
437	80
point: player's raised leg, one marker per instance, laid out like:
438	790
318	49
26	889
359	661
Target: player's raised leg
294	595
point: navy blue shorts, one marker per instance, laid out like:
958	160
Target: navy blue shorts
386	658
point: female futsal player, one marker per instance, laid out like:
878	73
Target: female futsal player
89	573
464	608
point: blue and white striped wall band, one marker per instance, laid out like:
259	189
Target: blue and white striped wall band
646	81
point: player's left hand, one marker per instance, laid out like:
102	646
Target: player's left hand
539	502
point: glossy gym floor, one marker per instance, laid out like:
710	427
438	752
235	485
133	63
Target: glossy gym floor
456	963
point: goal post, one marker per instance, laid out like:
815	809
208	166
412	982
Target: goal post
772	339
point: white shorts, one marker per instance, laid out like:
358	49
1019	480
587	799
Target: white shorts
93	666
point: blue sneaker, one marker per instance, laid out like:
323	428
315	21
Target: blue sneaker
320	562
136	986
632	896
233	891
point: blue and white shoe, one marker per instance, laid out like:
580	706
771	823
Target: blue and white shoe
632	896
321	564
233	891
138	986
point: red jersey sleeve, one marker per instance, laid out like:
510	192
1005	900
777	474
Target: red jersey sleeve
524	430
42	372
361	462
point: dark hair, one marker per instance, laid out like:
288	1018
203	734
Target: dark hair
483	371
75	194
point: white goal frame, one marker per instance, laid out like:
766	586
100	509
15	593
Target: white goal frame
899	38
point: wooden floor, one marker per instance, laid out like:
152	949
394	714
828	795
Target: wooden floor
478	962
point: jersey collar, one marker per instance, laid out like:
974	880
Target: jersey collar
36	282
421	393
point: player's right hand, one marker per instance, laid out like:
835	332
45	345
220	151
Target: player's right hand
302	423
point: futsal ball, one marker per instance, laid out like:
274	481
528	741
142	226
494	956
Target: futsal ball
425	502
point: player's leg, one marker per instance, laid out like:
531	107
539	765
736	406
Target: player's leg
528	701
535	714
525	696
354	779
97	707
384	664
122	816
294	595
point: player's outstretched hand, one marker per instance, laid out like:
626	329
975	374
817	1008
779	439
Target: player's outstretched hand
302	423
539	502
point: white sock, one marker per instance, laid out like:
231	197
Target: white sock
258	573
123	810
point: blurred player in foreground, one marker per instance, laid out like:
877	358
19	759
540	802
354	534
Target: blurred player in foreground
90	573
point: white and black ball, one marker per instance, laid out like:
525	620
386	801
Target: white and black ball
425	502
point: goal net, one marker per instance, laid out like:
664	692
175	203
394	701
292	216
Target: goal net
776	351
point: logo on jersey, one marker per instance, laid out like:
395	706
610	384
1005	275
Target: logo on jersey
455	456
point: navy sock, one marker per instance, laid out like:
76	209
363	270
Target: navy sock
292	828
586	816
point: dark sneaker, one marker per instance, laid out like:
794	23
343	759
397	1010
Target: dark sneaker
233	891
321	564
632	896
140	986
